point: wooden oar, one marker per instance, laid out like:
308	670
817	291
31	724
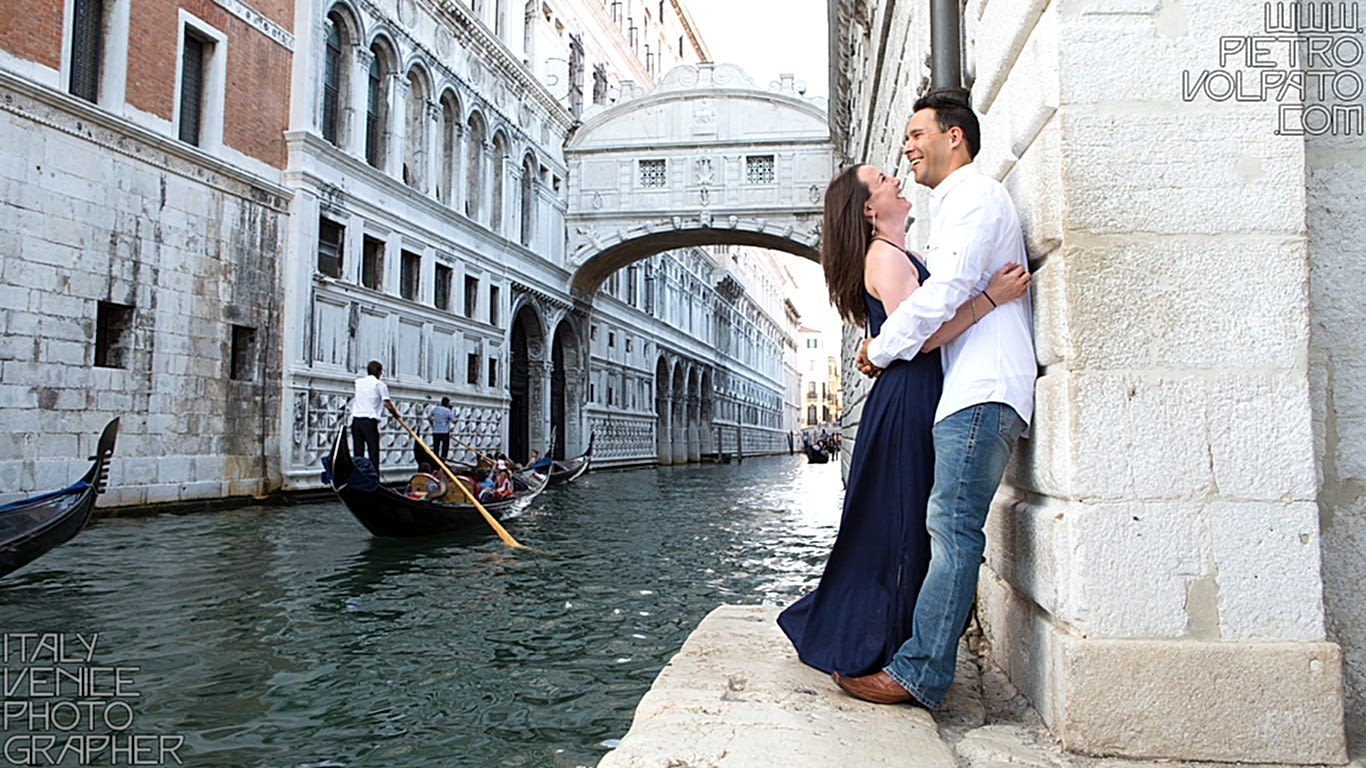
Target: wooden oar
477	452
498	529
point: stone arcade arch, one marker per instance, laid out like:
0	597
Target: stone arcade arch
706	158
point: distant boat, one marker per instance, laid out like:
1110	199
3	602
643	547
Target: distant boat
567	471
31	527
816	455
387	512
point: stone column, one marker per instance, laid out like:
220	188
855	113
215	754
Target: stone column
663	436
679	428
432	150
353	138
396	129
694	429
539	373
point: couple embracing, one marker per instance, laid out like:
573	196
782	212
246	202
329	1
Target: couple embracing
953	354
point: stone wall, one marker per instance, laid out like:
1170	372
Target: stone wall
1156	548
1336	223
96	210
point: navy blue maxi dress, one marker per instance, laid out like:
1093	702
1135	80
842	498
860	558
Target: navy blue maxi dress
860	612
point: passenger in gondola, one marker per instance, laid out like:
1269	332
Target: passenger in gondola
483	481
424	486
502	480
538	462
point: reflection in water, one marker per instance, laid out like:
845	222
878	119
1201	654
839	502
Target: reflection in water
291	637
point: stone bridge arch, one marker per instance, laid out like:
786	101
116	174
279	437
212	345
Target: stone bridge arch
705	158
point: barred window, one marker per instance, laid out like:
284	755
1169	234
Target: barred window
87	36
759	169
652	174
192	86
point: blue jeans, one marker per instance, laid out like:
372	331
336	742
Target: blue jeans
970	452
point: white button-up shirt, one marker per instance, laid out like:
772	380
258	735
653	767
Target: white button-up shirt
369	400
974	231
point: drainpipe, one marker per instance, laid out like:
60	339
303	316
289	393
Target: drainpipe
946	47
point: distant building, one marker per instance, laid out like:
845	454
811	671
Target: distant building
818	360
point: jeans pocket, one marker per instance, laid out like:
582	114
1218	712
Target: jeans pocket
1011	425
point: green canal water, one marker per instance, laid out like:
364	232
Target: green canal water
291	638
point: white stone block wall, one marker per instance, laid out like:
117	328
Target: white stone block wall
1187	413
92	209
1336	224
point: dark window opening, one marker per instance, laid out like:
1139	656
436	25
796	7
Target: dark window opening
113	334
471	295
493	305
442	299
374	114
332	64
372	264
192	87
472	368
331	245
243	354
493	371
410	277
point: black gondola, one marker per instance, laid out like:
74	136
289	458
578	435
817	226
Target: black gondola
816	455
568	471
31	527
386	512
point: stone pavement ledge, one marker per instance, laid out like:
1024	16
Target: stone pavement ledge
735	696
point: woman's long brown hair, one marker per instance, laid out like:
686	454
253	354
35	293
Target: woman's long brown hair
845	236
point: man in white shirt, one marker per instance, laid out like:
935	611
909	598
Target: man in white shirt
988	398
371	399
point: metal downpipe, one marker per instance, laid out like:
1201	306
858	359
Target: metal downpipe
946	47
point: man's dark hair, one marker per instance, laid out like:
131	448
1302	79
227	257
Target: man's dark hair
952	108
374	368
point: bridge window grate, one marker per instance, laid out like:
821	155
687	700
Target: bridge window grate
652	174
759	169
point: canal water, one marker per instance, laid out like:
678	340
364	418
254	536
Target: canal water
290	637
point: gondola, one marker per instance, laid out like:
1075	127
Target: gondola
568	471
816	455
387	512
31	527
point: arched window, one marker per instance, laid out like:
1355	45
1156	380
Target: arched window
376	109
334	77
528	199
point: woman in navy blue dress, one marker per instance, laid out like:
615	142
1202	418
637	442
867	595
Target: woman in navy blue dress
860	612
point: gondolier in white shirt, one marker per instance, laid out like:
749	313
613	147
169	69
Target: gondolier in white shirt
371	400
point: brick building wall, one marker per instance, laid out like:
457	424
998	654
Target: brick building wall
141	273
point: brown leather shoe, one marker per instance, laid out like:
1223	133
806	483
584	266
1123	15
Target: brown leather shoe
878	688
